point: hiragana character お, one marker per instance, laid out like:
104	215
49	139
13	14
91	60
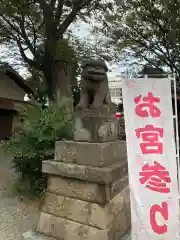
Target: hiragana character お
147	103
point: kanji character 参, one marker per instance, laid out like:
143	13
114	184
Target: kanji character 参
150	135
155	177
147	104
164	212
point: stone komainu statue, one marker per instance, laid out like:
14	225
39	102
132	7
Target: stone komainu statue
94	85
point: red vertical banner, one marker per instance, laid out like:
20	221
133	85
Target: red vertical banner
153	180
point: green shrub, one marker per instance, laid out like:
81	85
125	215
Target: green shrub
35	142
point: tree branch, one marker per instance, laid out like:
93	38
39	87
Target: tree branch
26	59
22	50
11	25
21	33
24	35
59	11
152	47
34	34
78	5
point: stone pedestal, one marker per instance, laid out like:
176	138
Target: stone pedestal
98	125
87	196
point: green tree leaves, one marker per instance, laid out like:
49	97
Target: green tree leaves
35	142
145	30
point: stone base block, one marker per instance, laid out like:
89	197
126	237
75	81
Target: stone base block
71	219
61	228
82	190
103	175
92	154
83	212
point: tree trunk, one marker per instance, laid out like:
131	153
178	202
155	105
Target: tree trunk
48	68
58	80
50	84
62	79
56	73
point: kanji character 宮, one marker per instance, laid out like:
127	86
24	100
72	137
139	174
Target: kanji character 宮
150	136
164	212
155	177
147	104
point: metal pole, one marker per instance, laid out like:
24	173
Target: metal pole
177	134
173	80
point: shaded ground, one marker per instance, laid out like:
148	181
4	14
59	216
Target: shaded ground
17	216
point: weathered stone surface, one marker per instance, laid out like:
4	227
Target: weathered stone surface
127	235
61	228
92	154
119	226
127	209
91	192
96	125
99	129
102	175
105	110
121	129
35	236
94	90
127	204
112	218
118	185
80	133
86	213
126	193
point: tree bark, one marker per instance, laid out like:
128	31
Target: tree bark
62	79
58	79
57	73
48	75
48	67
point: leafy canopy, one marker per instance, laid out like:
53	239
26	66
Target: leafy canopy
29	23
145	30
31	26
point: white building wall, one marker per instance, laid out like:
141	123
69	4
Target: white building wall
115	86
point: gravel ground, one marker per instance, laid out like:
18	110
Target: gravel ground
17	216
